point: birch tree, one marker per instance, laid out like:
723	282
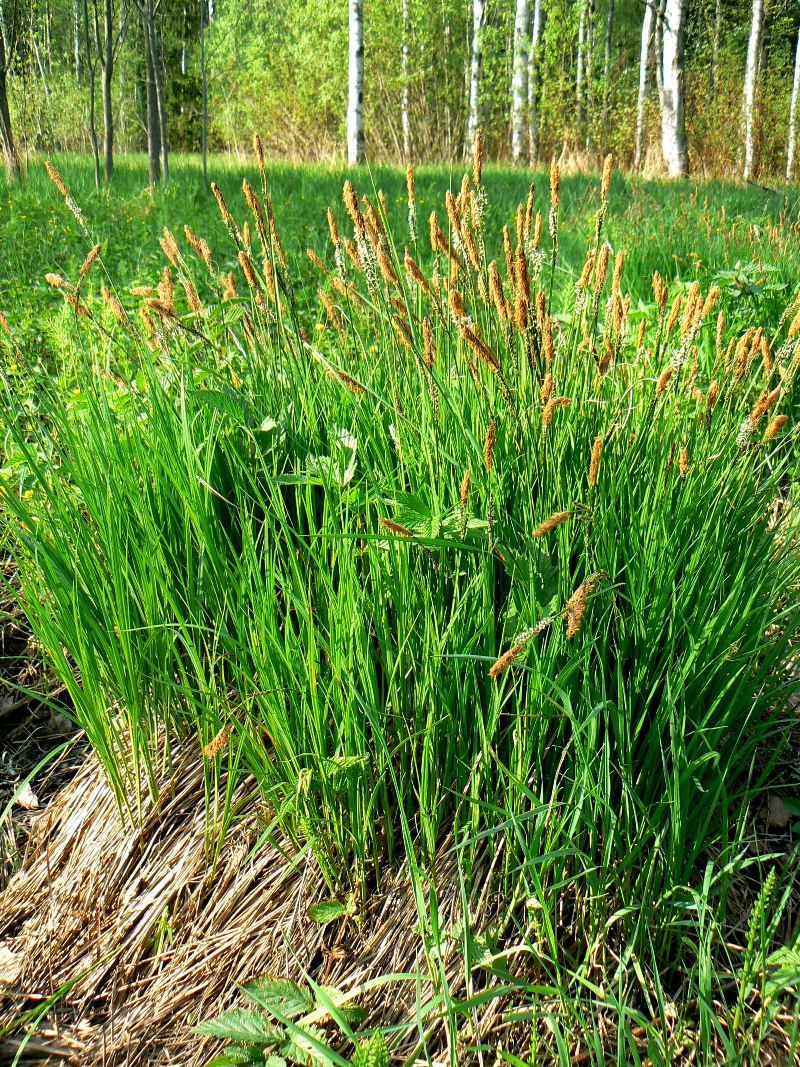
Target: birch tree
750	79
355	92
793	113
607	59
107	63
519	88
405	59
673	111
7	143
152	121
581	63
476	58
648	23
533	78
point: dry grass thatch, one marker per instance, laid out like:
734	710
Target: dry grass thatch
160	943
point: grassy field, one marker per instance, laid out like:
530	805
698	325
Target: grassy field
742	238
480	556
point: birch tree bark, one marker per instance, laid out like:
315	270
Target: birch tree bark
673	113
533	96
203	93
607	60
90	65
648	22
76	29
476	62
153	129
355	93
750	79
579	77
519	88
108	73
793	113
7	144
405	61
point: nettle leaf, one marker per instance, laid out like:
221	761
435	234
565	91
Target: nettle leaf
238	1056
374	1052
275	1061
351	1013
326	911
279	995
298	1049
239	1024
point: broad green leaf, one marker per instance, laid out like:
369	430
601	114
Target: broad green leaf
279	995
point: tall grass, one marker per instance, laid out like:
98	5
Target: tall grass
454	567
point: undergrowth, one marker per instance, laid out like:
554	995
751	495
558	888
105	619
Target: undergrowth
462	566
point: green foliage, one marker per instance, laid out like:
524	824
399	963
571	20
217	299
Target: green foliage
260	527
285	1028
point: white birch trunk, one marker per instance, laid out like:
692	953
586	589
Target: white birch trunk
750	78
406	73
793	114
519	88
581	64
355	95
648	22
474	117
607	61
673	114
533	96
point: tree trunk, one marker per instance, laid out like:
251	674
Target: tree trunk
750	78
158	68
4	33
715	44
90	65
406	74
476	62
355	93
659	50
793	113
588	76
153	134
533	97
648	22
204	92
607	62
7	145
673	115
76	26
108	73
519	87
579	77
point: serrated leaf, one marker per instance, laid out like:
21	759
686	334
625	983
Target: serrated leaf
238	1057
239	1024
275	1061
351	1013
374	1052
279	995
326	911
297	1049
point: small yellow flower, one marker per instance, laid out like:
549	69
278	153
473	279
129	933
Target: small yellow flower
28	494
